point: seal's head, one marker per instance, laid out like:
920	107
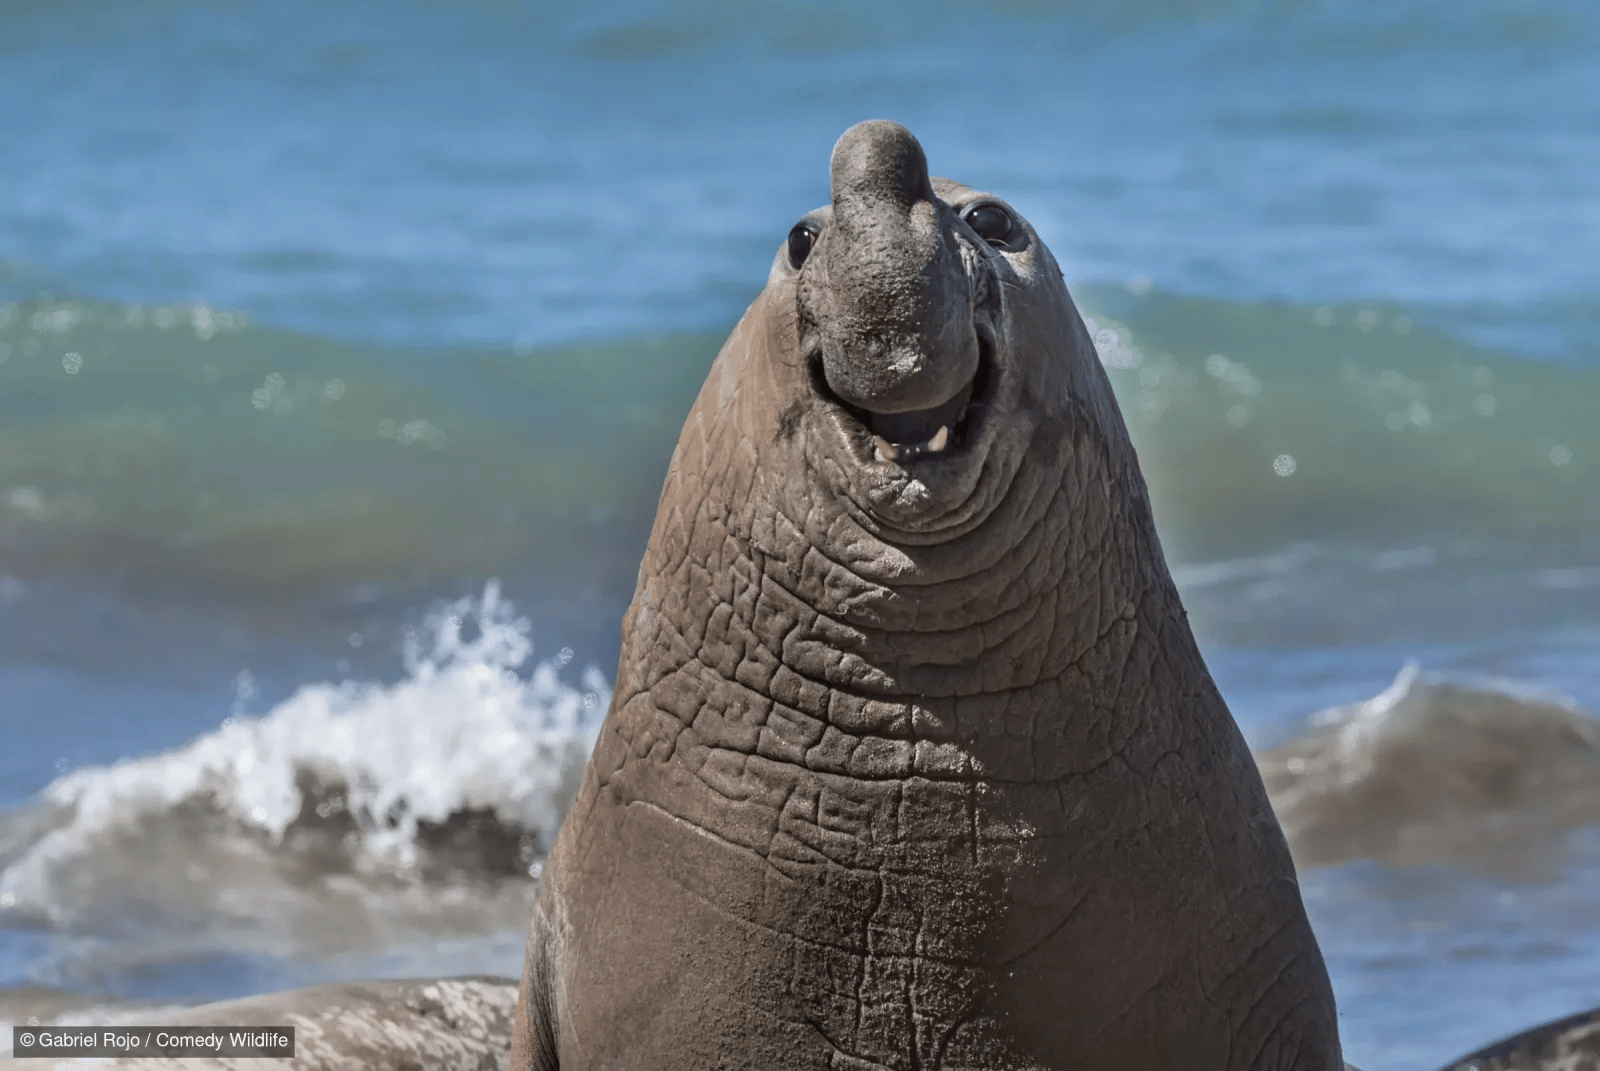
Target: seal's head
935	337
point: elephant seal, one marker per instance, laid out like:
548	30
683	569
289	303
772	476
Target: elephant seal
913	761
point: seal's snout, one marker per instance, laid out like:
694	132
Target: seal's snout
879	162
889	296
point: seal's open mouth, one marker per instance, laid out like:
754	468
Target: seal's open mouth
922	433
905	436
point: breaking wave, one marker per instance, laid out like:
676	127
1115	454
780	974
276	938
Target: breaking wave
1438	771
198	452
351	816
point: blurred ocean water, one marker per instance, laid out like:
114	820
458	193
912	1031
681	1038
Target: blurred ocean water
342	348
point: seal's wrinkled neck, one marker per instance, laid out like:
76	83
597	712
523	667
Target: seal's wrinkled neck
888	294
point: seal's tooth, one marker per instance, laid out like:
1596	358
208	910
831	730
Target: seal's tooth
887	451
940	438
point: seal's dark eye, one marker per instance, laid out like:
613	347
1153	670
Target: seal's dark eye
993	223
800	239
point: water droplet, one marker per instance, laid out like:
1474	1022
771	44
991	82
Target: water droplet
258	814
1367	319
1284	465
72	362
1322	317
1560	455
333	390
7	900
1484	405
564	656
356	639
205	325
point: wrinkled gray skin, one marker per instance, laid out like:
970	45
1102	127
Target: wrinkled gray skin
449	1024
915	766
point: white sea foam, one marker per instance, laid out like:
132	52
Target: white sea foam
376	770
